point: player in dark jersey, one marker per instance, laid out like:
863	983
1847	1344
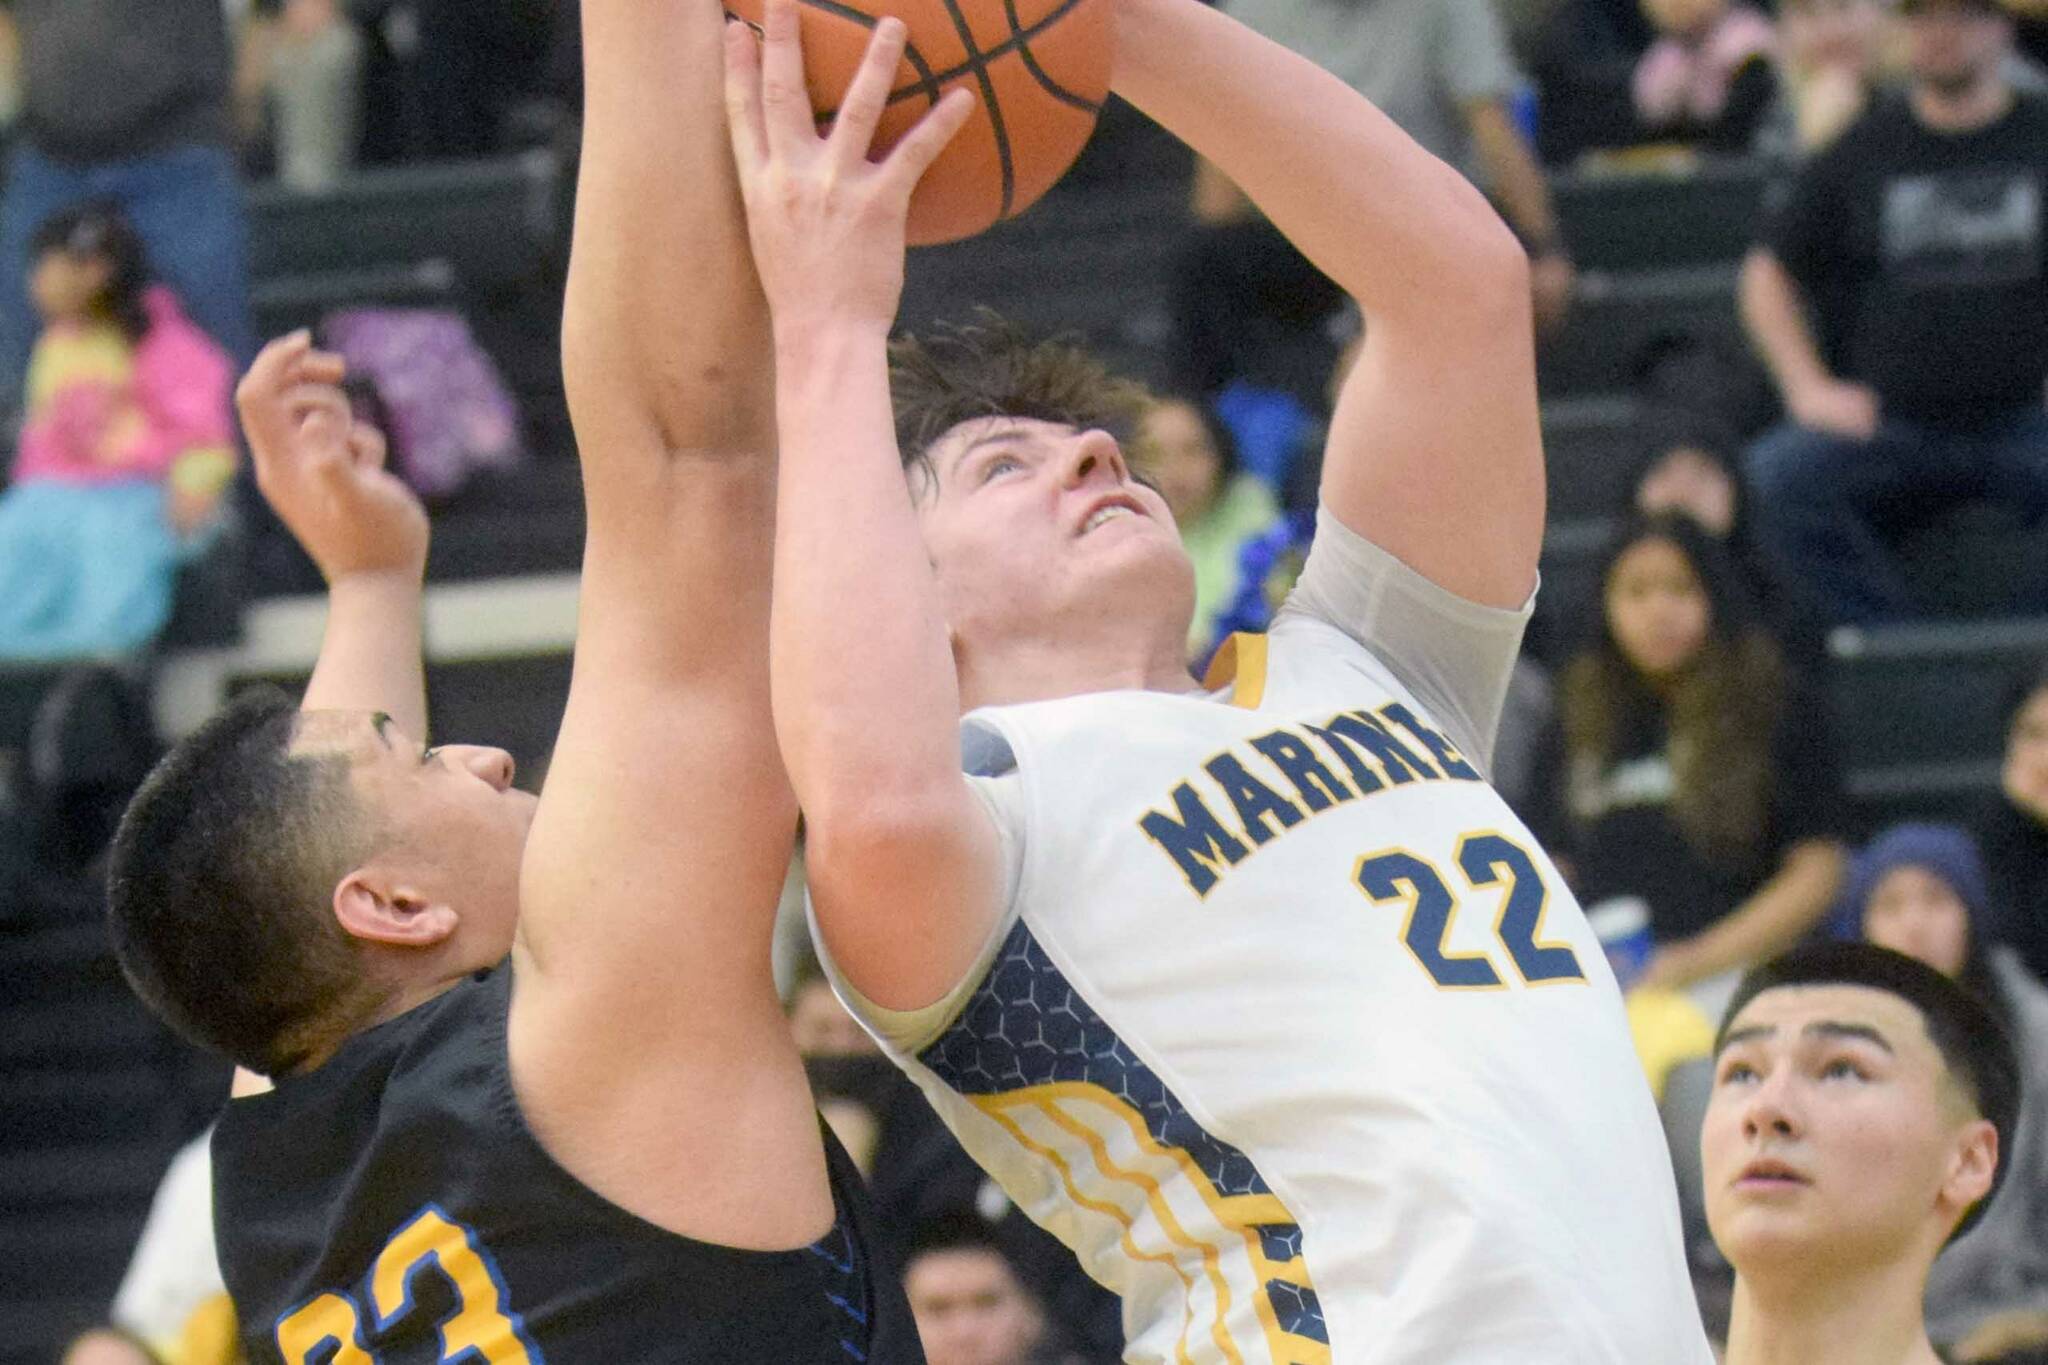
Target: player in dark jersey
534	1097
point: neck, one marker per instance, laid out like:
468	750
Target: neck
1865	1317
379	1010
1042	669
1964	107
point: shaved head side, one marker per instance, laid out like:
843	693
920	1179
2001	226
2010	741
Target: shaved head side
220	882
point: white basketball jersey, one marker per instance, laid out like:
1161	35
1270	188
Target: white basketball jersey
1299	1041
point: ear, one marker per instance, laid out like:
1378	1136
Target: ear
372	906
1972	1166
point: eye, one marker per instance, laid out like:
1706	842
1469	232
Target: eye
1000	464
1733	1072
1843	1068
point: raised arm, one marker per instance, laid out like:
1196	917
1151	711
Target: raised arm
647	1041
1434	452
902	860
323	474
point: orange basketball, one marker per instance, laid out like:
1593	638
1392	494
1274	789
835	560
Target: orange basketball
1040	67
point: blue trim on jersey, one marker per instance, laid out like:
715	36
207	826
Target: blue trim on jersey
1026	1025
846	1283
1298	1311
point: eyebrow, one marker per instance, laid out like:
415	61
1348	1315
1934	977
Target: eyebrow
1820	1028
996	437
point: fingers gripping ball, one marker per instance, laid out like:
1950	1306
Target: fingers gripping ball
1040	70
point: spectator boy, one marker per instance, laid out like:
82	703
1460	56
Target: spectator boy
1862	1102
971	1308
1901	301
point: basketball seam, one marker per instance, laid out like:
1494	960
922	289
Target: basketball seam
977	61
1020	40
927	84
1015	43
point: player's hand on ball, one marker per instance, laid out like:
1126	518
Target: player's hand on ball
826	222
322	471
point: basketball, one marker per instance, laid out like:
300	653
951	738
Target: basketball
1039	67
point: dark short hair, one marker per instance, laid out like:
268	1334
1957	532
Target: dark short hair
2022	690
221	874
99	230
1973	1043
954	1230
993	368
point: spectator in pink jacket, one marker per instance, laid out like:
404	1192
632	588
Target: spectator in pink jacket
126	447
1710	77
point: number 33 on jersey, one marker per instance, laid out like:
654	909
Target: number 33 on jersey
481	1330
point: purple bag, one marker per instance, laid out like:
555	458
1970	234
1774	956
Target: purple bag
447	411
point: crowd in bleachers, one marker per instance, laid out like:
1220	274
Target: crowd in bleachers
1672	735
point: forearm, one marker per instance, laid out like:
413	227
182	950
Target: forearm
370	657
1397	229
1770	921
1776	321
866	700
665	333
1518	183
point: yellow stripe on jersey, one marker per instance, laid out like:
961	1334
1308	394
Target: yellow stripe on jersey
991	1105
1241	1214
1241	665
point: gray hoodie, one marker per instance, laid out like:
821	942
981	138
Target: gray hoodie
2002	1264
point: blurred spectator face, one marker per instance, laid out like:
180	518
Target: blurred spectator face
1689	480
1832	1135
821	1025
1181	458
970	1310
1913	911
1954	44
2026	757
65	286
1834	33
1657	609
1684	18
106	1348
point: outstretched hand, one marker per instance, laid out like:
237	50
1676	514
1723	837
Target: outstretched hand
322	471
827	223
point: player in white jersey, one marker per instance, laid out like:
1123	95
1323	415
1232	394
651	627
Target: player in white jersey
1258	997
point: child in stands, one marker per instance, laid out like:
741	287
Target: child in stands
126	446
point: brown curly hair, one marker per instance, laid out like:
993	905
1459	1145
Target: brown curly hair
992	367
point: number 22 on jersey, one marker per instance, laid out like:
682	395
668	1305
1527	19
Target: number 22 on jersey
1487	861
328	1330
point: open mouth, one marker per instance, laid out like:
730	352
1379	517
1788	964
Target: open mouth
1110	509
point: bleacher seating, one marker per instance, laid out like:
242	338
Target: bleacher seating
97	1098
1918	712
1622	221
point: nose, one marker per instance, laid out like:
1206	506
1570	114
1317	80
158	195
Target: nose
1770	1110
1094	454
494	766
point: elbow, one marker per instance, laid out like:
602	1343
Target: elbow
1492	270
862	834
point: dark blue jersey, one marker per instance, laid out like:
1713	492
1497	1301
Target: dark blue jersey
393	1207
